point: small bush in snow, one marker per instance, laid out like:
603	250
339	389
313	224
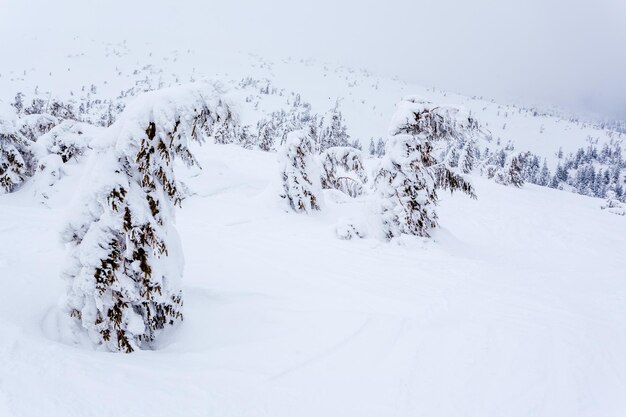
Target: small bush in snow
68	140
612	204
300	177
347	230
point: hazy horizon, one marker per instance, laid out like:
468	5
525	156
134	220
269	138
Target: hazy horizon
566	54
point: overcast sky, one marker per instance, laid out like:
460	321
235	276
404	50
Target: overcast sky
570	53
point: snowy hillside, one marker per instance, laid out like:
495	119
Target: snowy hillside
516	307
109	70
308	288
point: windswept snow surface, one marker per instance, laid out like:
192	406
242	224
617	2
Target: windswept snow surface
516	307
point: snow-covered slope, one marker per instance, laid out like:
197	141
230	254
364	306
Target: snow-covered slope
75	67
517	307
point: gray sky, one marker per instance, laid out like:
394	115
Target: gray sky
571	53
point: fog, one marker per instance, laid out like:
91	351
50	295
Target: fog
568	53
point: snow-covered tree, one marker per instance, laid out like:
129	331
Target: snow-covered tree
467	156
409	175
372	147
125	265
380	147
612	204
333	130
226	129
301	186
16	159
32	126
342	169
406	186
544	175
272	131
510	173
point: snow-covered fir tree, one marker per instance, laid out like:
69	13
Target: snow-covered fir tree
301	185
380	147
510	173
333	130
125	264
226	129
409	175
16	159
467	156
372	147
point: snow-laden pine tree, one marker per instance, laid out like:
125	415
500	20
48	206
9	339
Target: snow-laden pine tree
409	175
333	130
227	129
301	186
510	173
343	170
467	156
16	159
125	265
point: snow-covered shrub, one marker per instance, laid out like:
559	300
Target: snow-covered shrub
347	229
409	175
16	159
69	139
613	205
342	169
299	173
125	267
32	126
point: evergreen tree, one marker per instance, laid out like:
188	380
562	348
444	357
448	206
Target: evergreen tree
16	159
467	157
301	186
409	176
380	147
125	264
333	131
544	176
372	147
